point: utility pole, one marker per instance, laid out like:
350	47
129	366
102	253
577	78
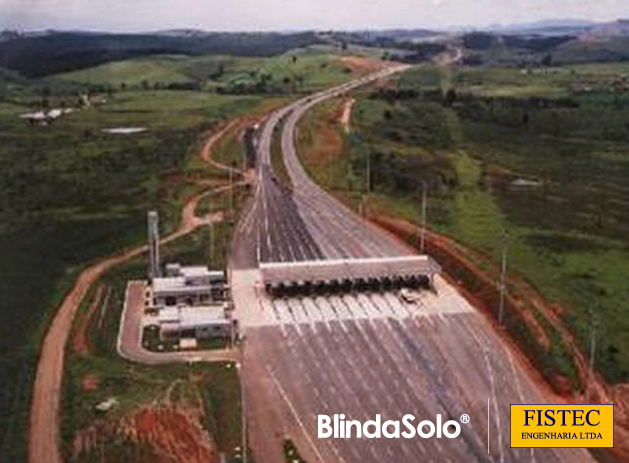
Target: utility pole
211	242
329	170
368	179
593	329
248	144
503	273
422	242
231	193
153	232
240	367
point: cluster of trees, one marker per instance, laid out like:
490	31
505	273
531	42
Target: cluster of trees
262	82
96	172
55	52
401	175
483	41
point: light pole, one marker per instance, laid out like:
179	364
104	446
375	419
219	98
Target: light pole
240	368
231	193
503	272
422	241
211	241
329	170
594	327
368	179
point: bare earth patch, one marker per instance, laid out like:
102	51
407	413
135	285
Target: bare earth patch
362	66
165	434
90	383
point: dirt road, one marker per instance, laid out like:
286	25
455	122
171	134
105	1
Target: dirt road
43	432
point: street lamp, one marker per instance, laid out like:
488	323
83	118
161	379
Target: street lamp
239	367
594	326
422	241
503	272
211	224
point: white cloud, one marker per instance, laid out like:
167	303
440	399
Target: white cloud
293	14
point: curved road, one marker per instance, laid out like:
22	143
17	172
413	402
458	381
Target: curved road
365	354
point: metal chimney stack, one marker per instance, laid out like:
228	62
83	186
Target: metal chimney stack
154	264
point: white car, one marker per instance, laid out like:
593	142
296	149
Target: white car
408	296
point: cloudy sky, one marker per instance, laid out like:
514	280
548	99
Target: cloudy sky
142	15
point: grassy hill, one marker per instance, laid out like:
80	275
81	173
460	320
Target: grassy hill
598	49
55	52
153	69
297	70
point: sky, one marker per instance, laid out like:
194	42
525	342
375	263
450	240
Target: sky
255	15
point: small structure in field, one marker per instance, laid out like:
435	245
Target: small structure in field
44	117
125	130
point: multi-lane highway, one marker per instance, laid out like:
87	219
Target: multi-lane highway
362	354
303	222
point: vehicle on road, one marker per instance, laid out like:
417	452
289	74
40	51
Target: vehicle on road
409	296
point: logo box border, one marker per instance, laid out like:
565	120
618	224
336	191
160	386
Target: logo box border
568	405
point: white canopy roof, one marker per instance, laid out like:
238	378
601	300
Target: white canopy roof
275	273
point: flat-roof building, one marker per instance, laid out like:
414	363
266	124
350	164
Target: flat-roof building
198	322
190	286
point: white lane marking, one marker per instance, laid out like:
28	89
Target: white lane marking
394	301
279	316
352	305
314	313
326	312
492	388
341	309
295	415
298	311
334	310
379	301
373	311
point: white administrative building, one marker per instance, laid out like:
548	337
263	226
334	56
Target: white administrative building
189	286
198	322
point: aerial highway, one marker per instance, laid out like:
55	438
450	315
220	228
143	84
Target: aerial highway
303	222
362	354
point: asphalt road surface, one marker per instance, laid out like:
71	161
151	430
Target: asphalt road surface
362	354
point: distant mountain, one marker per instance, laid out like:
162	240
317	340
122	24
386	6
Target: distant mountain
613	29
404	34
546	28
183	33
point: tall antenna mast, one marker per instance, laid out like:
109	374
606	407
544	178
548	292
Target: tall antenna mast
153	229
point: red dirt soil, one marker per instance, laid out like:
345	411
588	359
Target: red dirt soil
90	383
362	66
172	433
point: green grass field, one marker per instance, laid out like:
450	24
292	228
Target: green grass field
567	234
297	71
136	387
71	194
